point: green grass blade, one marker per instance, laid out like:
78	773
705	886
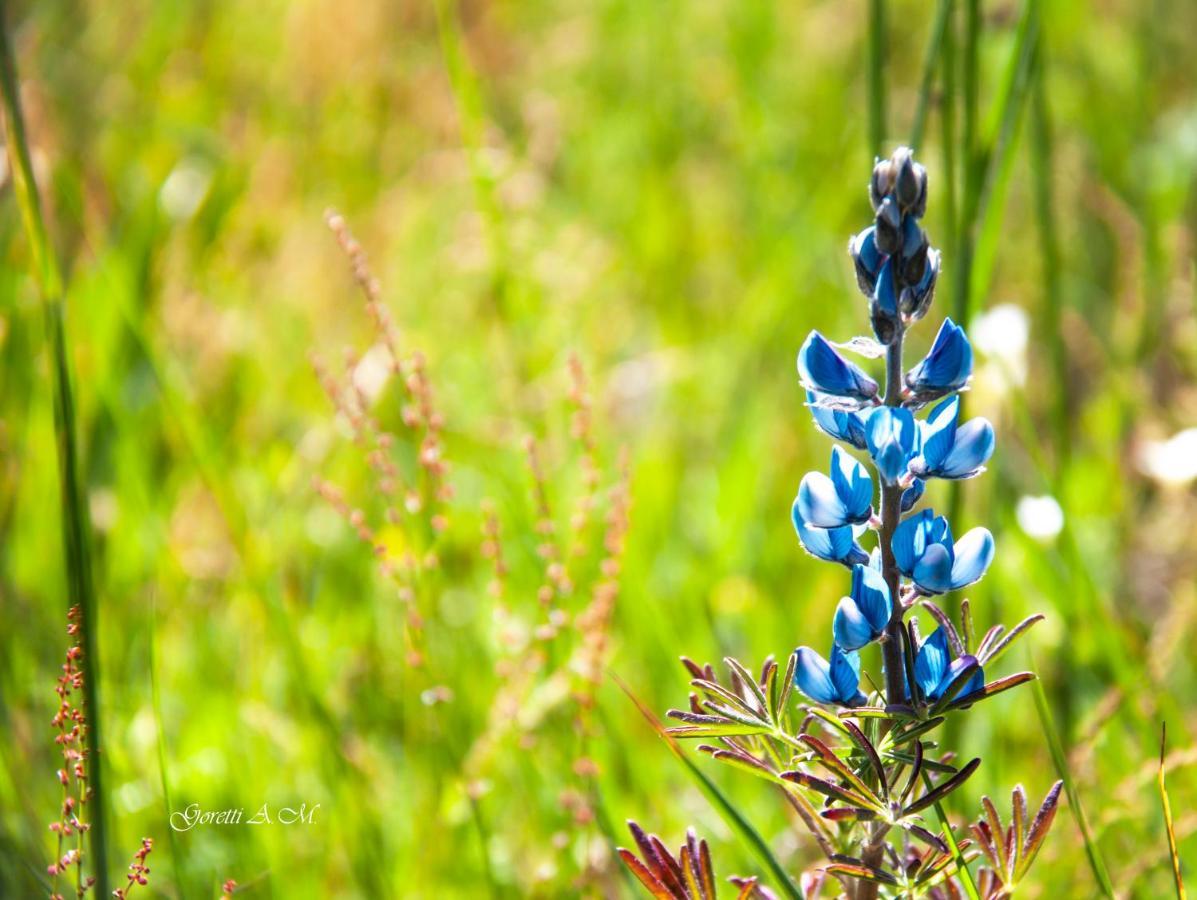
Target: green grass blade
950	838
176	861
75	523
931	64
1168	825
730	814
1060	759
877	77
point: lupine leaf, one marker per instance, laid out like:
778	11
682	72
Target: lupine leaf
927	837
1018	815
750	682
997	834
991	689
916	768
834	791
861	741
1040	826
860	870
999	647
736	716
831	719
945	622
647	878
740	760
828	758
731	697
727	729
917	730
849	813
786	686
944	788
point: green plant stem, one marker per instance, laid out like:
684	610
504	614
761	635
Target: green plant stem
930	65
1096	862
75	526
876	76
950	838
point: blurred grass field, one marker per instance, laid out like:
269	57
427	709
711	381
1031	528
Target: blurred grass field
665	190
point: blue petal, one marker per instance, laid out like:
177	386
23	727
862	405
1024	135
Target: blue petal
933	571
818	503
824	370
812	676
974	553
958	665
845	676
831	544
885	294
853	485
893	439
931	662
909	540
840	424
864	249
913	494
939	433
946	367
971	450
871	594
852	630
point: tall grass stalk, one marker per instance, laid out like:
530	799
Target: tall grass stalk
1174	855
75	524
1060	759
877	101
931	64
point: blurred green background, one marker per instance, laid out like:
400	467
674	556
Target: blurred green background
665	189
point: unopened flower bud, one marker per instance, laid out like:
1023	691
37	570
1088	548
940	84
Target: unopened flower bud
888	233
881	183
906	180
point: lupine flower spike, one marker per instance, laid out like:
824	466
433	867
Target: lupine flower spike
856	761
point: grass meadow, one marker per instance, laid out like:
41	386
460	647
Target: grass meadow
376	518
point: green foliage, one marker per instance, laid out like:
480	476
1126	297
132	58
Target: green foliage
660	188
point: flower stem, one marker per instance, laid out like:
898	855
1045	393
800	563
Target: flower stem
891	512
892	646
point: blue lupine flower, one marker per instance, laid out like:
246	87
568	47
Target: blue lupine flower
843	425
836	682
846	498
867	259
926	553
935	670
951	451
824	370
946	367
913	494
893	439
830	544
861	617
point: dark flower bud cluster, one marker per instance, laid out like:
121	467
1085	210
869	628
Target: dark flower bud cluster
896	267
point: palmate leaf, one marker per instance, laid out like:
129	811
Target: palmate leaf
857	869
1011	850
740	825
687	876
